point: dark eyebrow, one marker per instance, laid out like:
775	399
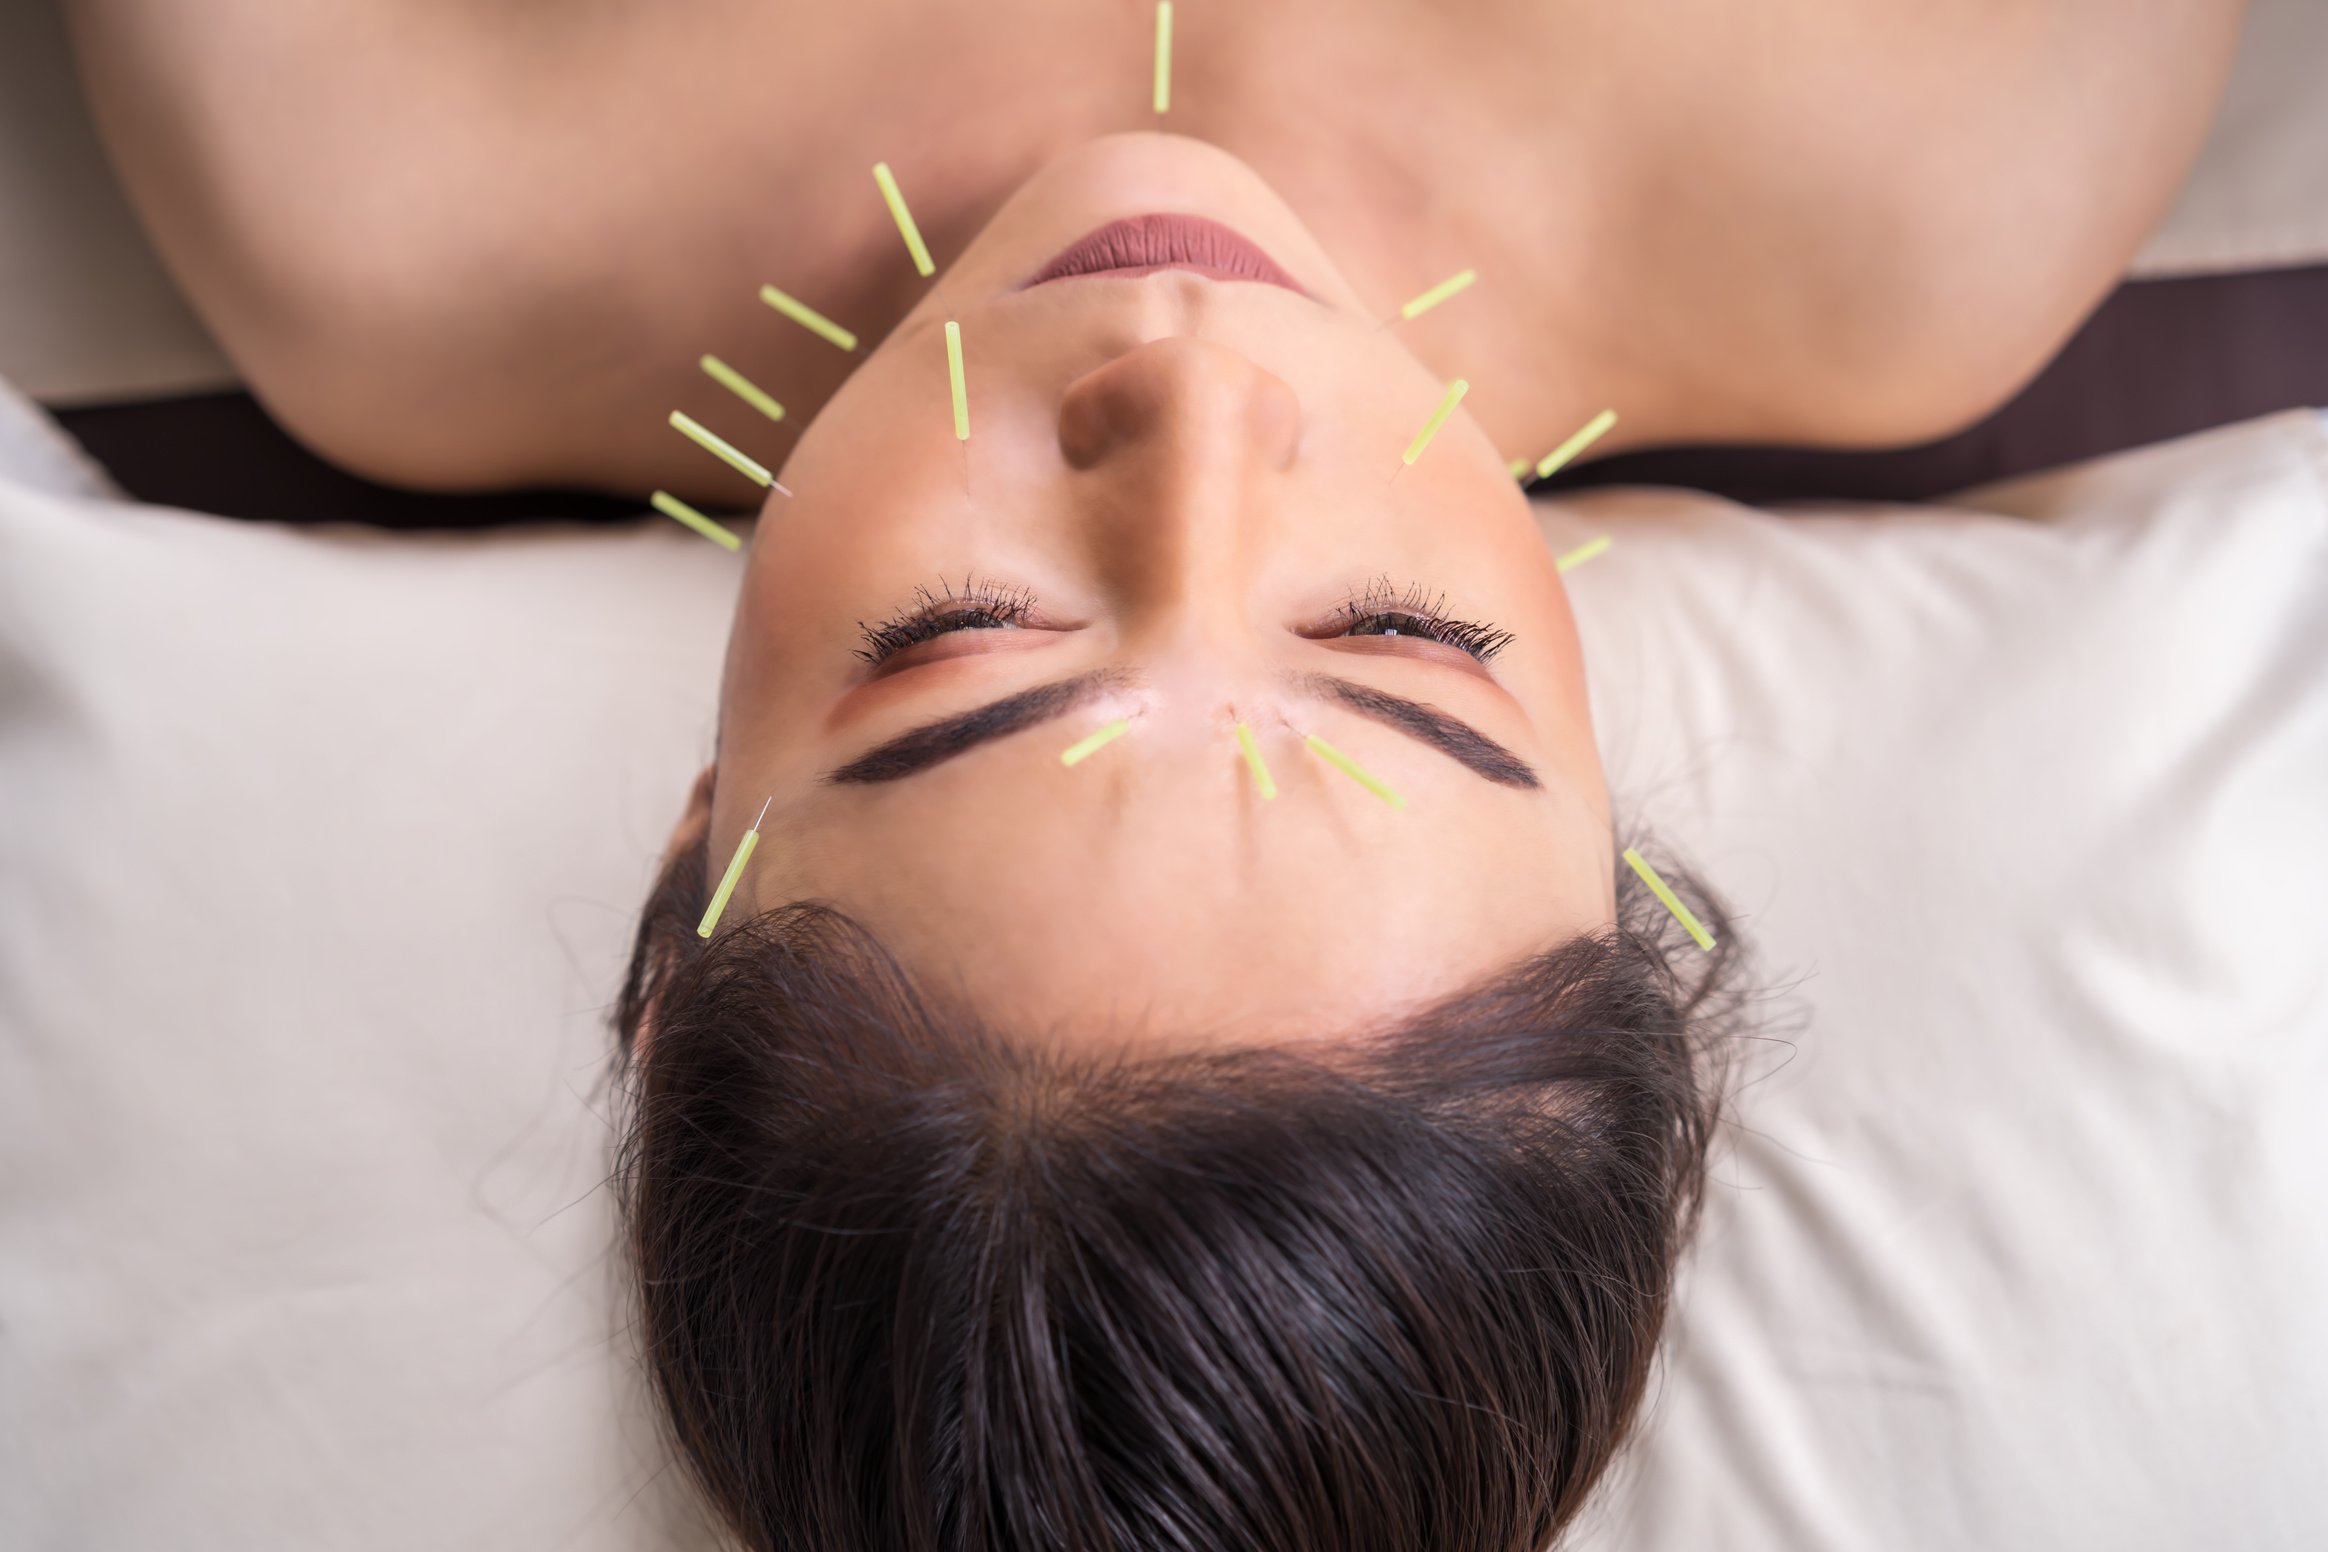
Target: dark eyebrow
1456	739
934	743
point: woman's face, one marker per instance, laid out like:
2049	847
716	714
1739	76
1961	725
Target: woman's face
1182	502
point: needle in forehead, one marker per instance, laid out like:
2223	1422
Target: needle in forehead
1084	748
1671	901
1352	769
1263	782
735	871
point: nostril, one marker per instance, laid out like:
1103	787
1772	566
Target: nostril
1277	421
1086	425
1177	388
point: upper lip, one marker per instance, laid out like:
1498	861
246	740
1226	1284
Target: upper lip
1139	244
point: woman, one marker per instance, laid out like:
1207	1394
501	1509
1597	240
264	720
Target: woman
1115	1155
1140	1159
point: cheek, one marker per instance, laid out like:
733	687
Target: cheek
1546	662
850	546
773	638
1556	650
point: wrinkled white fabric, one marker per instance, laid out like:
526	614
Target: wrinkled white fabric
2023	1241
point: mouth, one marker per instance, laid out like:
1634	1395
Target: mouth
1141	245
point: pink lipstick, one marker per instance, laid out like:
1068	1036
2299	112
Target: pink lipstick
1141	245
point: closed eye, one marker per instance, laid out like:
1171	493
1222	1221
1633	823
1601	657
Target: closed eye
941	610
1389	612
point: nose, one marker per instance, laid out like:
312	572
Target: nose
1185	406
1178	443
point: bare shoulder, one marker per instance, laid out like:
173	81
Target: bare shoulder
466	245
1852	223
481	244
321	181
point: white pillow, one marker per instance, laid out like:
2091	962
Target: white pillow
318	859
2026	805
321	851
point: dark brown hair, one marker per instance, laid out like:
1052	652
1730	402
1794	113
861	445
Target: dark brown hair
906	1284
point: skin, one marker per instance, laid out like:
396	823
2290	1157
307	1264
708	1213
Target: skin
1191	476
1838	222
1809	221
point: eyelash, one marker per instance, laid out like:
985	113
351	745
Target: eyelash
980	605
984	605
1416	611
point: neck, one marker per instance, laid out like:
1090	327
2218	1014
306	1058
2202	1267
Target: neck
1397	209
1404	193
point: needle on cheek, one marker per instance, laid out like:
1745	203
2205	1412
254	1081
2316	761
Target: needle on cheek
1455	392
741	386
808	317
1596	546
703	437
894	197
954	379
1437	294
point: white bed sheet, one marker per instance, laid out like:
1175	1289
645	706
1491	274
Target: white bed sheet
320	850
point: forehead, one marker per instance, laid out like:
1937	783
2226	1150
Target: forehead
1151	890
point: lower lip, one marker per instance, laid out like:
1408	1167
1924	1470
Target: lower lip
1142	245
